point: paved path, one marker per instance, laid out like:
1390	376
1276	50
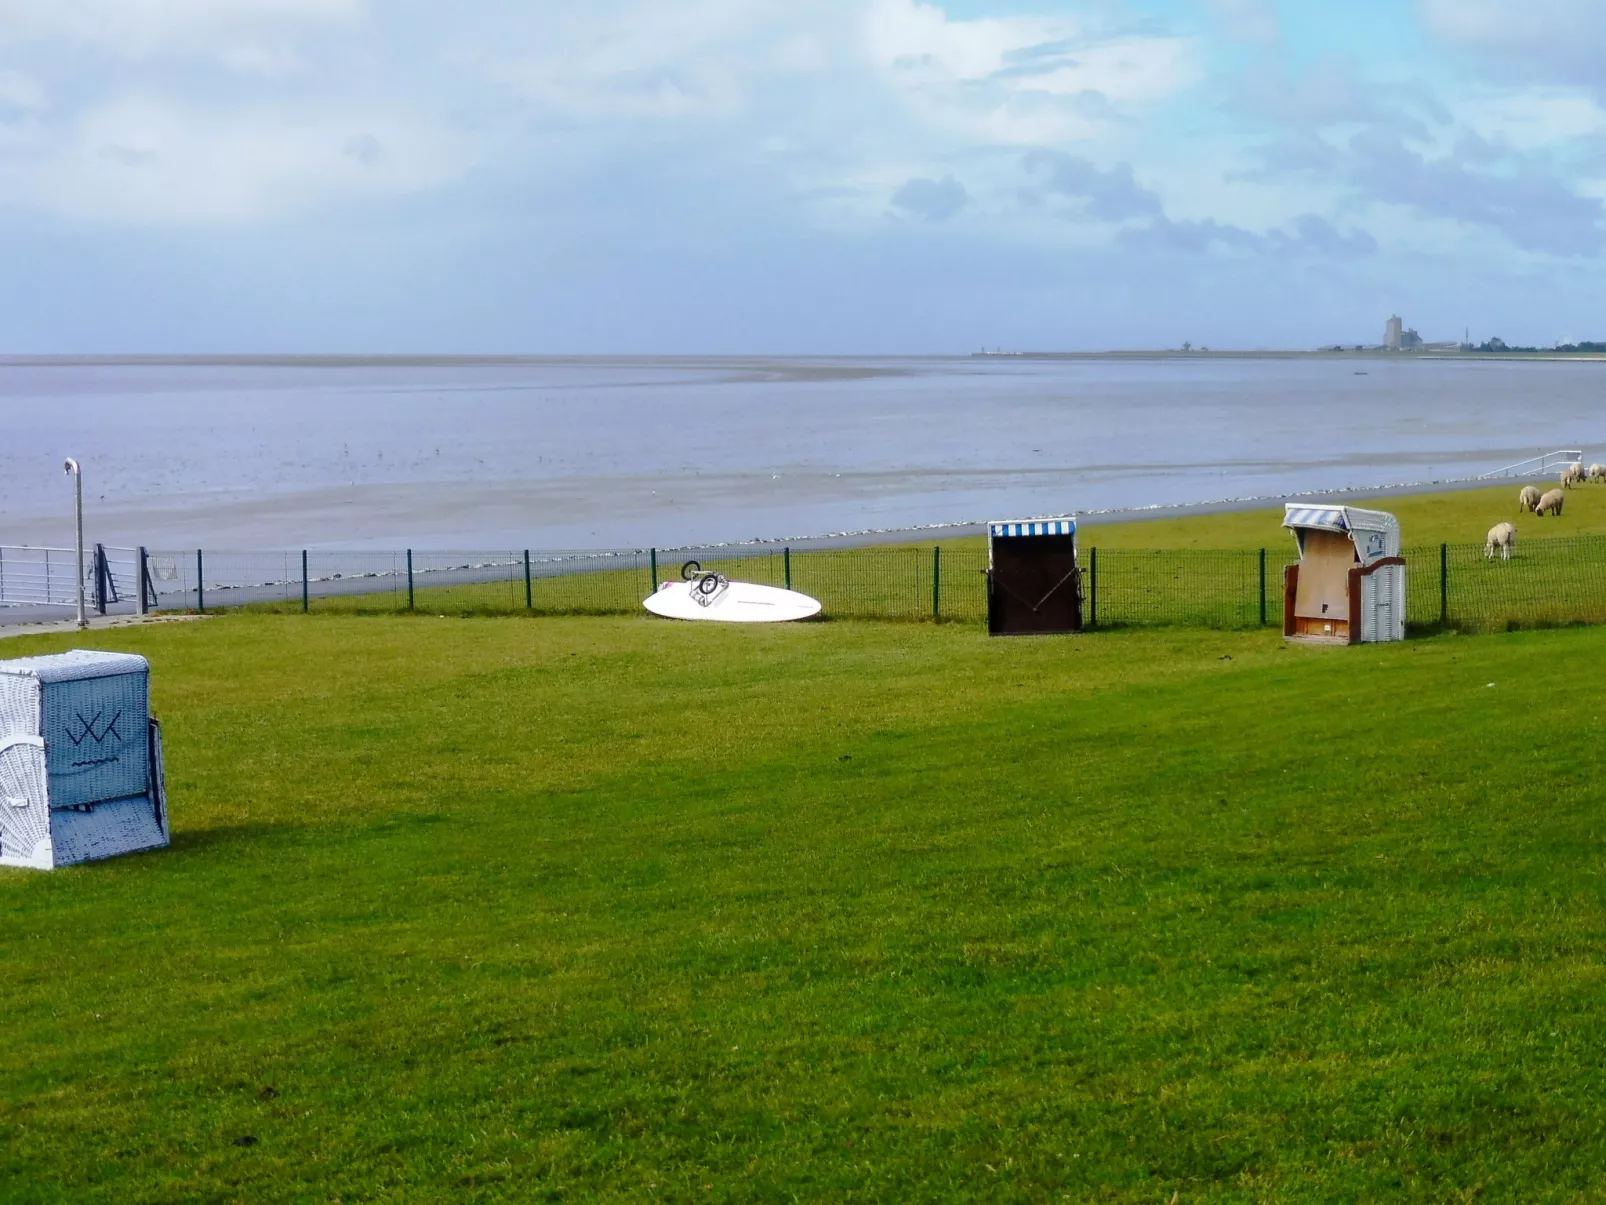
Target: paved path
97	623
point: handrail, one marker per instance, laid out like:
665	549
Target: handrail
1535	465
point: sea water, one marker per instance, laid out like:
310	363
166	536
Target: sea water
578	453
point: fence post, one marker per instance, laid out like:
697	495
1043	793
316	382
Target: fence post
529	589
1444	585
304	591
786	560
936	583
653	558
200	577
1093	588
147	594
409	579
100	578
1262	587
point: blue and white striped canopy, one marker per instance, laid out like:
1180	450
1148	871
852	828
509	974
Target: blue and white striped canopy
1327	518
1035	527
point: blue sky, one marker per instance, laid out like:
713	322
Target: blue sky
767	176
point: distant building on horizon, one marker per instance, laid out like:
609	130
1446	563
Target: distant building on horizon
1397	337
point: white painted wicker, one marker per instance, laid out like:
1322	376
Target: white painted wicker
80	760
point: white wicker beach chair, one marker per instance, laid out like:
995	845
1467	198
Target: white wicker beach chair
80	760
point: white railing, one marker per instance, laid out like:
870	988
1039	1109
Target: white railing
38	577
1538	466
44	577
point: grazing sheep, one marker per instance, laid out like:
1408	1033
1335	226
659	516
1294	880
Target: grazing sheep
1551	501
1528	500
1572	475
1502	536
1597	472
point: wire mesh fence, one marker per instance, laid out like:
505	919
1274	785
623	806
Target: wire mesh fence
1211	588
1549	582
1546	582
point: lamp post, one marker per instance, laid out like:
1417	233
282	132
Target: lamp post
78	511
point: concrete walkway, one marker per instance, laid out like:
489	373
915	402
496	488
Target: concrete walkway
97	623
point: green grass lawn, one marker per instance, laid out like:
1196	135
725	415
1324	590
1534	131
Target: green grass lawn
1443	517
620	909
1197	570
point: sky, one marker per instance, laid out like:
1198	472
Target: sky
770	177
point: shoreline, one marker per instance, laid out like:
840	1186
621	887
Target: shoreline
515	359
1117	515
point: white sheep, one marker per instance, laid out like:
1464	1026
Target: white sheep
1551	501
1597	472
1572	475
1502	536
1528	500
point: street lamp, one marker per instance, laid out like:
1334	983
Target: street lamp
78	509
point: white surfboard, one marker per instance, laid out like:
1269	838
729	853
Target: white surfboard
730	602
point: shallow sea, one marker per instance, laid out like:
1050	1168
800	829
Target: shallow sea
572	453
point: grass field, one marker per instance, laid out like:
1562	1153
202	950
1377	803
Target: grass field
1195	571
1441	517
615	909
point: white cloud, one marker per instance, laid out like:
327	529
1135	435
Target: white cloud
1020	80
147	162
1500	22
19	94
253	36
1549	41
1255	20
1534	118
695	60
925	46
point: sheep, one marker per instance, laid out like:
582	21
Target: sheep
1528	500
1597	472
1551	501
1502	536
1572	475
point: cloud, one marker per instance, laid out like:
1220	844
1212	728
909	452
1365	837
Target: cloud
1311	235
144	161
251	36
1020	79
1552	40
1533	117
1516	195
698	60
1489	164
1191	236
1332	91
19	94
935	200
1252	20
1104	194
1311	232
1113	195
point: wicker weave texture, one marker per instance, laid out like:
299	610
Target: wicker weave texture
96	740
19	705
80	774
24	809
119	827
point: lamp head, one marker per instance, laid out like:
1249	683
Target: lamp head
71	466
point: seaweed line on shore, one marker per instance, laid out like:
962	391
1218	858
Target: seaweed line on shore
871	535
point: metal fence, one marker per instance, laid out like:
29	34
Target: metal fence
1547	582
39	579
